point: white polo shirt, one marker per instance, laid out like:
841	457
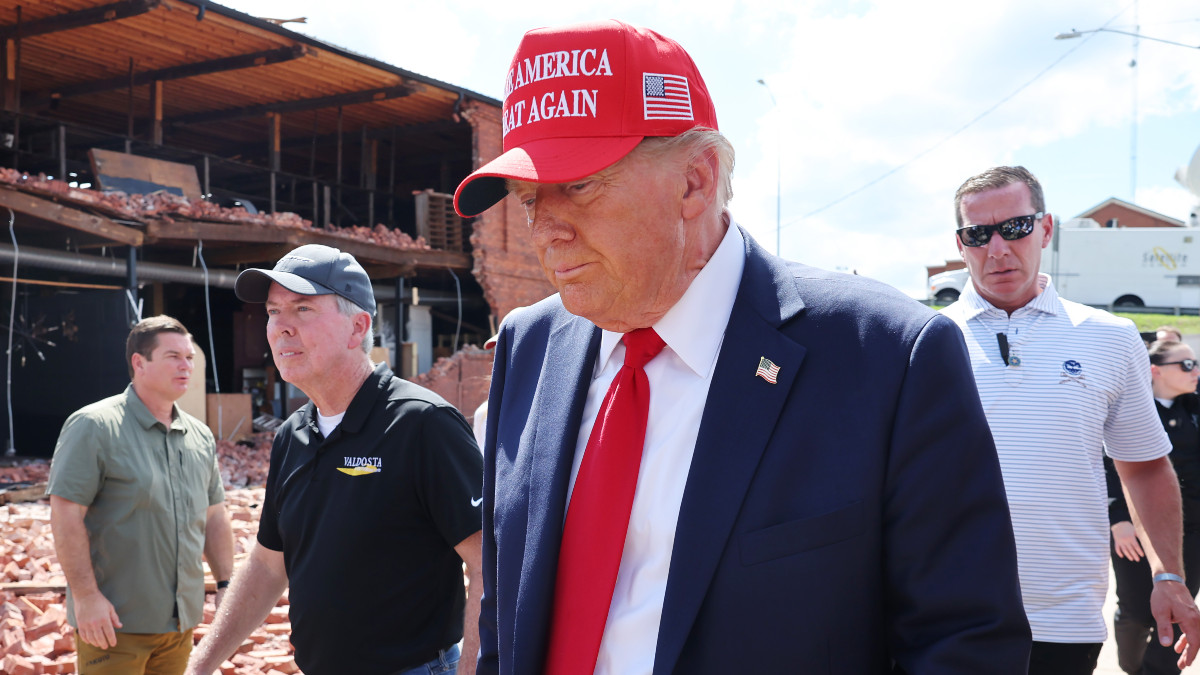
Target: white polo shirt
1078	384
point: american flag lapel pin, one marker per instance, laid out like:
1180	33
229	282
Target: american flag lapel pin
767	370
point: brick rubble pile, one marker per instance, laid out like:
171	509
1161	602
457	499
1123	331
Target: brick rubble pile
34	635
245	463
167	207
27	471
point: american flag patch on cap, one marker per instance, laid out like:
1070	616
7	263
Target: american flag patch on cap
666	97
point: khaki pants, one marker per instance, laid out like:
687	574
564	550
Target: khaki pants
149	653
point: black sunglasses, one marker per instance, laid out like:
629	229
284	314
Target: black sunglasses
1010	230
1186	365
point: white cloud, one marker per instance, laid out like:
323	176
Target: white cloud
863	87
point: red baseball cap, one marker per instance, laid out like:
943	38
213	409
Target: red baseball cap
579	98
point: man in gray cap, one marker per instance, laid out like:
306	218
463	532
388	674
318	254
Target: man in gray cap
372	501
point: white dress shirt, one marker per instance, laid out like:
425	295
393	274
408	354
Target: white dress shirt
679	380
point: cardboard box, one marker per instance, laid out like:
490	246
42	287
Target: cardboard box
230	416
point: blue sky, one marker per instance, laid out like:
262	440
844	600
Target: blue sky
915	95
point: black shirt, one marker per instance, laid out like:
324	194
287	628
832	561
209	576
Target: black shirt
1180	423
367	521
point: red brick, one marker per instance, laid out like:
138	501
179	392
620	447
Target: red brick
41	664
282	664
246	646
278	615
245	660
43	625
14	664
63	642
11	640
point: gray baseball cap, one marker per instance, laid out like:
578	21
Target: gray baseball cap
312	269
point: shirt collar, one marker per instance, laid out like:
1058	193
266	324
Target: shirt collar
1045	302
708	301
146	418
355	416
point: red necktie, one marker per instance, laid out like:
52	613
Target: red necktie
598	516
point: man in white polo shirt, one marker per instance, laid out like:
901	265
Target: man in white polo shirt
1062	383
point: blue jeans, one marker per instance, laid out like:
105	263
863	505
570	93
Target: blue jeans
446	662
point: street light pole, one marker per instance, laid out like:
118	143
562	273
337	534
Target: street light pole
1137	36
778	173
1080	33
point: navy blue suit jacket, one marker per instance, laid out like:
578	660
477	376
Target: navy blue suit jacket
849	519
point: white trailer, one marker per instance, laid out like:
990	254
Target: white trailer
1125	267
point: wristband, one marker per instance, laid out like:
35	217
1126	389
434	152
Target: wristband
1165	576
224	583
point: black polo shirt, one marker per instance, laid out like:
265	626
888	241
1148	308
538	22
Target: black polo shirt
367	521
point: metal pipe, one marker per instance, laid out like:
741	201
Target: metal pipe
82	263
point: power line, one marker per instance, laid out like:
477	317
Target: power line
958	131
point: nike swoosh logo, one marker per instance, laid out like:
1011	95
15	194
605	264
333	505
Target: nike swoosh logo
476	502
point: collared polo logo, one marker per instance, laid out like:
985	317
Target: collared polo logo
361	466
1072	371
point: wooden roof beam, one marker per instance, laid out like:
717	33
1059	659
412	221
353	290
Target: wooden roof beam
226	64
79	18
351	98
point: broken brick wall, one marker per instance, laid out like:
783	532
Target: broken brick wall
462	379
506	265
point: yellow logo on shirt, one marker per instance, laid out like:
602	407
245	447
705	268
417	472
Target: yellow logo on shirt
361	466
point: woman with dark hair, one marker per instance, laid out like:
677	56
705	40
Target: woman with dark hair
1174	373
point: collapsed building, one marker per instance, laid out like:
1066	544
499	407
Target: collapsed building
150	149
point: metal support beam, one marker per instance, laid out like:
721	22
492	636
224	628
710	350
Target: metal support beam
131	282
328	207
338	180
391	218
352	98
399	316
417	132
156	112
61	141
273	125
129	131
12	92
81	18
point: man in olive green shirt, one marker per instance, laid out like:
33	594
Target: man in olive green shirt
136	499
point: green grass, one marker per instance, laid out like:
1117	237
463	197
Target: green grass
1188	325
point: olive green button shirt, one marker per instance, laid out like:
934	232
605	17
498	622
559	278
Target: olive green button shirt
147	489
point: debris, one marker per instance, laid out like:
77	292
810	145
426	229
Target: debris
166	206
34	634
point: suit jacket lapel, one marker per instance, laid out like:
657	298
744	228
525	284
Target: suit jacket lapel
739	418
556	411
